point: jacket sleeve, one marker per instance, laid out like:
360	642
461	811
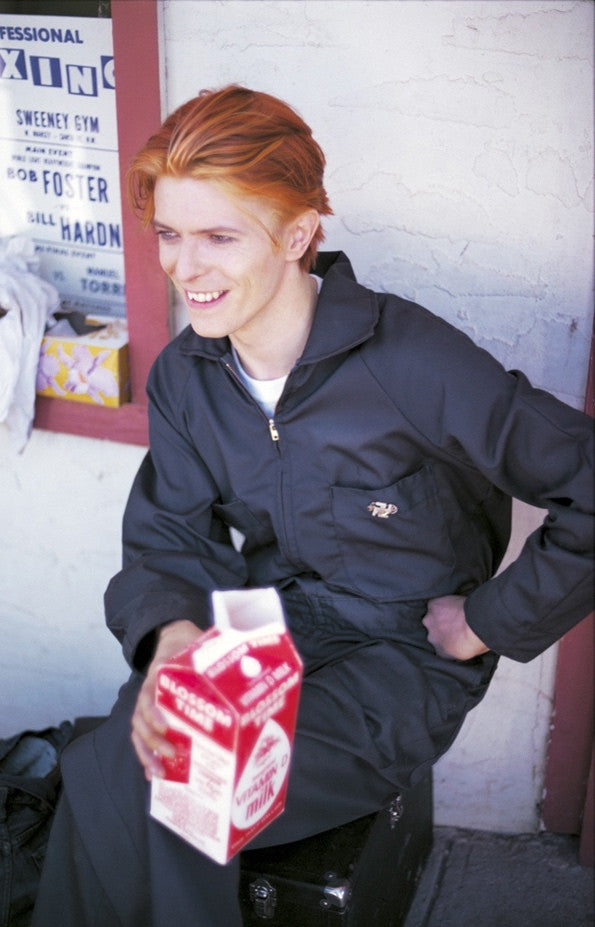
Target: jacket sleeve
546	460
175	551
534	448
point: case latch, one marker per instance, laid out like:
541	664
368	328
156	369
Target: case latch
337	892
263	896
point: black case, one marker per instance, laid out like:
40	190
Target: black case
363	874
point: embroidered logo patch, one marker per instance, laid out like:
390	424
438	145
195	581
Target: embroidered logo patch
382	509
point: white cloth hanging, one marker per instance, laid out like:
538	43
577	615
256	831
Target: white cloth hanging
27	303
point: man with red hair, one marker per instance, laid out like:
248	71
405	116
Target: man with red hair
344	446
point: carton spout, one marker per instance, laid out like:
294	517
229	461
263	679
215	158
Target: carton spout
247	609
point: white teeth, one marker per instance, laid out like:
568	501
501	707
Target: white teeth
205	297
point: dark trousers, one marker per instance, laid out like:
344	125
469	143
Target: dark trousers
109	864
374	715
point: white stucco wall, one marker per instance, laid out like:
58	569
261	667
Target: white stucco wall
61	505
458	137
459	143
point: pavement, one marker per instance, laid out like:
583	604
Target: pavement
481	879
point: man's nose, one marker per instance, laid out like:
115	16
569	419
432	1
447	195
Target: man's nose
190	261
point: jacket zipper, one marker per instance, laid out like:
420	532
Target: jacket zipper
273	432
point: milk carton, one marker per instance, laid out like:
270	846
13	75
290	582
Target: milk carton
231	701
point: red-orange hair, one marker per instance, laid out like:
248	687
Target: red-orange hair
248	141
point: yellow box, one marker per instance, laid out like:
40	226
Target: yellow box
92	367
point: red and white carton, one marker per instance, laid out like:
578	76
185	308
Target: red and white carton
230	701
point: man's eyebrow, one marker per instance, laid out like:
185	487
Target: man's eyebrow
156	223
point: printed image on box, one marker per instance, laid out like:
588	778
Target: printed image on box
92	367
231	703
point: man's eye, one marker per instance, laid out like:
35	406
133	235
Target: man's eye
165	235
221	239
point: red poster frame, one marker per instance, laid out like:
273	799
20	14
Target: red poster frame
138	108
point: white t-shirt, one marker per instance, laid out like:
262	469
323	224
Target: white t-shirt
266	392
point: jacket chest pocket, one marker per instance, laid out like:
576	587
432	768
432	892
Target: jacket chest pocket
393	542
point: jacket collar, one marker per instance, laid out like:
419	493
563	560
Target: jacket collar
346	315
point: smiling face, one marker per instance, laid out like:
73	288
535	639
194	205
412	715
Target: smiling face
216	250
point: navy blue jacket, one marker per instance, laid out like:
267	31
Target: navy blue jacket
384	480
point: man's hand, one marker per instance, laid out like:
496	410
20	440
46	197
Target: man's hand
448	631
148	723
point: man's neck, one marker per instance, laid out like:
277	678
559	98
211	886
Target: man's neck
272	354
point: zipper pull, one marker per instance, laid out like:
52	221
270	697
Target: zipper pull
273	430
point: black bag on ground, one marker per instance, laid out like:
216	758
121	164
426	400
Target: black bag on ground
29	788
363	874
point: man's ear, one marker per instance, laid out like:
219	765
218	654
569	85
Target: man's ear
300	232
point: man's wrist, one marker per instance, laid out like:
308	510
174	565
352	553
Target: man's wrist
473	640
474	645
174	637
180	625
